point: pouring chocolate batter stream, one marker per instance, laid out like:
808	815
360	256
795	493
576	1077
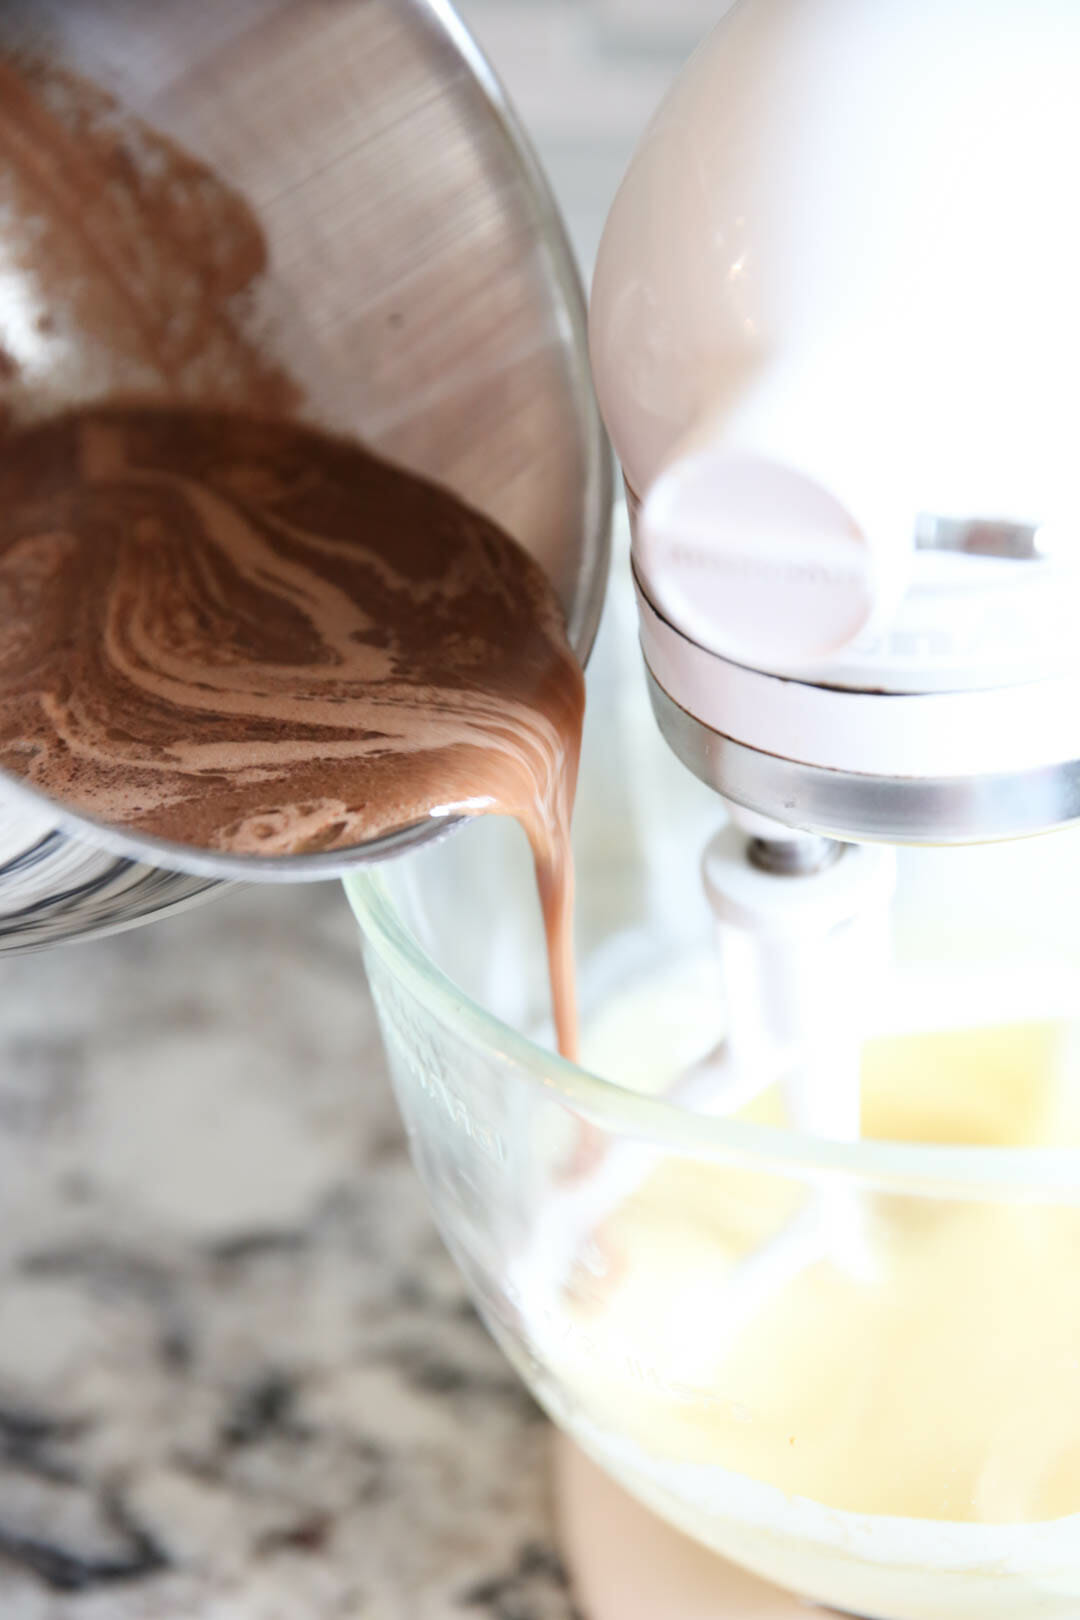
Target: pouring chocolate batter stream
218	625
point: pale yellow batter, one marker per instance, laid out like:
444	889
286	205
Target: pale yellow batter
938	1378
879	1355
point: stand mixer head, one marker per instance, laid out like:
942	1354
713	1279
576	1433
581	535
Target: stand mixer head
834	339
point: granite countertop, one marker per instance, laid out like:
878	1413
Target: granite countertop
239	1377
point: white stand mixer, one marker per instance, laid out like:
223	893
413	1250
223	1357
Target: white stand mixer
834	336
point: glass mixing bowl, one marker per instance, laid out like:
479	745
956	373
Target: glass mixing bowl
854	1367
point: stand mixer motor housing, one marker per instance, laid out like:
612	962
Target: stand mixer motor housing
834	337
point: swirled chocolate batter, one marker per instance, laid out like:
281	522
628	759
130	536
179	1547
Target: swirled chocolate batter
245	635
217	626
127	267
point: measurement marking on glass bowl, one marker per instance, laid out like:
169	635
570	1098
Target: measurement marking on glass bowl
612	1352
411	1054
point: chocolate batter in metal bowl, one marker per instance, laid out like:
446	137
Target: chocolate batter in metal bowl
323	217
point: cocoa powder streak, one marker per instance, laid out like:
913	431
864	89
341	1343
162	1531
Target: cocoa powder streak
140	262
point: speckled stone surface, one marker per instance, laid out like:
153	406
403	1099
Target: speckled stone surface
239	1378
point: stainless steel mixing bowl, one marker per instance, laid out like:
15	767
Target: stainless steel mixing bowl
412	232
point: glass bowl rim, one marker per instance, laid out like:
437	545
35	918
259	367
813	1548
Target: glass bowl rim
934	1170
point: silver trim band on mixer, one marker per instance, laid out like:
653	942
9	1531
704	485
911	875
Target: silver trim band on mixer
849	805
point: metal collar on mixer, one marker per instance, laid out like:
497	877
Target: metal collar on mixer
853	805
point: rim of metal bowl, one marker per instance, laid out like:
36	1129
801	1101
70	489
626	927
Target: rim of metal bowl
583	621
930	1170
